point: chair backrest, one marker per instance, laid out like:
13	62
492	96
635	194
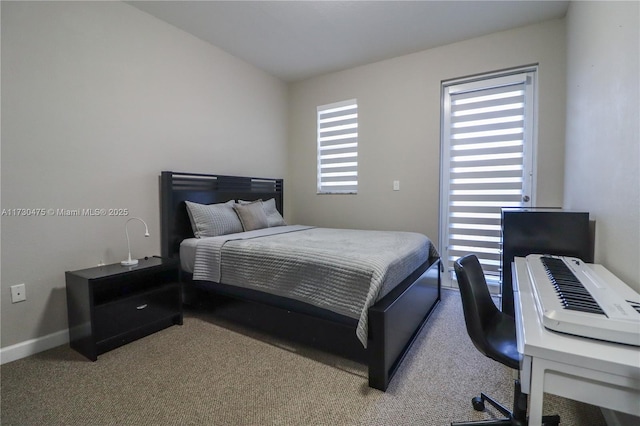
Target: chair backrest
479	310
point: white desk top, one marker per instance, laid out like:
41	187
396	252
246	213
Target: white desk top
536	341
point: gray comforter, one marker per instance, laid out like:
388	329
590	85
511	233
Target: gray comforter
344	271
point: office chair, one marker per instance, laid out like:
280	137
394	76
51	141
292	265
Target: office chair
494	334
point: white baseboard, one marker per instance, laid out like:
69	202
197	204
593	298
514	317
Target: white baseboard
33	346
615	418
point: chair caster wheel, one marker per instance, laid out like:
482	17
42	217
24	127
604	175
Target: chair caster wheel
478	403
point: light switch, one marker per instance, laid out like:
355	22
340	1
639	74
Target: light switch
396	185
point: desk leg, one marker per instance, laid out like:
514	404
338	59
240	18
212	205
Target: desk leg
536	394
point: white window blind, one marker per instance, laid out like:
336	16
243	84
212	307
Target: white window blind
489	131
338	148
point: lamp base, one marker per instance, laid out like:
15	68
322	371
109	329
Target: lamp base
129	262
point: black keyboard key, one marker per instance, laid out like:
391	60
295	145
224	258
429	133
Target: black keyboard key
572	294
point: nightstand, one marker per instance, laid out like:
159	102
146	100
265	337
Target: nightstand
109	306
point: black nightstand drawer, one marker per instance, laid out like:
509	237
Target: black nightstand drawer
111	305
121	316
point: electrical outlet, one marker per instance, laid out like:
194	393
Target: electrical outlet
396	185
18	293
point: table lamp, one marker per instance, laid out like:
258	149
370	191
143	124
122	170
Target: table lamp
129	261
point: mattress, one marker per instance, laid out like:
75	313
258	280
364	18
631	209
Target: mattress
341	270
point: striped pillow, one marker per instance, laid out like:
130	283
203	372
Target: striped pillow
211	220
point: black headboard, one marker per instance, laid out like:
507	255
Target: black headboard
176	188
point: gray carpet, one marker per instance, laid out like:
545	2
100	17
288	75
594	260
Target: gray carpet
211	373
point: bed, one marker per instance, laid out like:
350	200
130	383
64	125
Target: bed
379	336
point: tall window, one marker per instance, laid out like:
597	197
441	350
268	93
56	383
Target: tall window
487	144
338	148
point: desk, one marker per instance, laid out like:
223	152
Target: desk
599	373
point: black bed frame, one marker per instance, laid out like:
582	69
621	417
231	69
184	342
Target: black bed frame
394	321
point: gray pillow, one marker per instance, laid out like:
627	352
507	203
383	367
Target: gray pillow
274	218
252	215
211	220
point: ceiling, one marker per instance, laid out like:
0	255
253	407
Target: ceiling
294	40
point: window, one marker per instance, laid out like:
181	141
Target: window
487	144
338	148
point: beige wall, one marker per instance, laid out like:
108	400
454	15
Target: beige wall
603	129
399	129
97	99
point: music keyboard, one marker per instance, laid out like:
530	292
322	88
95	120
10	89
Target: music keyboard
576	298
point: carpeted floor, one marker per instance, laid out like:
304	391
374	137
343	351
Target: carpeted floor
209	373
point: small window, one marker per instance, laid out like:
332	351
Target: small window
338	148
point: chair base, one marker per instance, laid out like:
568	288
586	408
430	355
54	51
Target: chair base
517	417
546	421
